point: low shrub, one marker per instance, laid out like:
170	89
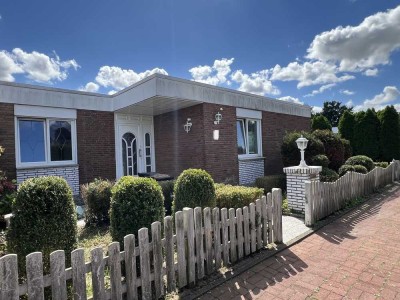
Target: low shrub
362	160
290	152
136	202
285	207
235	196
97	198
328	175
168	192
44	220
194	187
267	183
356	168
320	160
382	164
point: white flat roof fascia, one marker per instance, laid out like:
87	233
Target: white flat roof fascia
248	113
44	112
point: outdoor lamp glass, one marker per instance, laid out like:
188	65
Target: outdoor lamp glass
302	145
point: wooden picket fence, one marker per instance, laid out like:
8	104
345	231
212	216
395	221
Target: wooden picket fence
324	198
203	241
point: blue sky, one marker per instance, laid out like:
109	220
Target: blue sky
306	51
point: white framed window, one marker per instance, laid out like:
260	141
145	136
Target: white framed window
44	142
248	137
147	146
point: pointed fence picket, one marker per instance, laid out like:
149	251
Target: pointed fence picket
199	243
324	198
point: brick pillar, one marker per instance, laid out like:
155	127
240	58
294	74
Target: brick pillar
295	182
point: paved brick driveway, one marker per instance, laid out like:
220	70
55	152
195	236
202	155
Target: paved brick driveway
355	257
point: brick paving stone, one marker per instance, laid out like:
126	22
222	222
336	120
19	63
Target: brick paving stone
355	257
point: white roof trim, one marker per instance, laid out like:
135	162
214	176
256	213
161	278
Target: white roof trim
156	85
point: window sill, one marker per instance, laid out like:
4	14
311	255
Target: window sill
47	166
245	158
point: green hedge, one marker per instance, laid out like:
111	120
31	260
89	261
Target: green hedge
354	168
168	192
267	183
44	220
382	164
328	175
97	198
362	160
136	202
230	196
194	187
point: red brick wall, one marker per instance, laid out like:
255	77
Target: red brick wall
7	140
176	150
274	127
221	159
96	145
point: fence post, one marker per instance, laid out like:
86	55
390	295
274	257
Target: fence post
208	240
97	266
143	236
198	224
78	274
189	229
57	272
309	204
9	277
169	253
34	275
157	258
180	246
277	200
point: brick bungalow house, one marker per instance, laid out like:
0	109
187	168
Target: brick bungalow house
160	124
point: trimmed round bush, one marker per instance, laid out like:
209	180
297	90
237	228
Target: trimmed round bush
320	160
361	160
334	148
167	187
97	198
194	187
290	152
382	164
44	220
354	168
136	202
230	196
328	175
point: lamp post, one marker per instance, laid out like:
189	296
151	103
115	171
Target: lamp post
302	145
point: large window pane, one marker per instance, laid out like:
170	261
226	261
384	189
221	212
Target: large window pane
32	143
252	136
60	141
241	144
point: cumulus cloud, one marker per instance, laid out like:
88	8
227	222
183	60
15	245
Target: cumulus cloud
388	95
316	109
309	73
34	65
215	74
347	92
371	72
321	89
360	47
118	78
255	83
291	99
90	87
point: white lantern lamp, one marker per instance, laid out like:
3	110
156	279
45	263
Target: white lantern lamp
302	145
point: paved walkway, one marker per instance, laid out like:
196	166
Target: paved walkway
292	227
355	257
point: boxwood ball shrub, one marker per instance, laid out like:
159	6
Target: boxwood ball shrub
320	160
136	202
44	220
230	196
356	168
267	183
328	175
361	160
382	164
97	198
194	187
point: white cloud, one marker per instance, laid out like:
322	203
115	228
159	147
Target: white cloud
388	95
256	83
360	47
41	67
316	109
321	89
309	73
291	99
347	92
112	92
215	74
90	87
349	103
118	78
371	72
8	66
